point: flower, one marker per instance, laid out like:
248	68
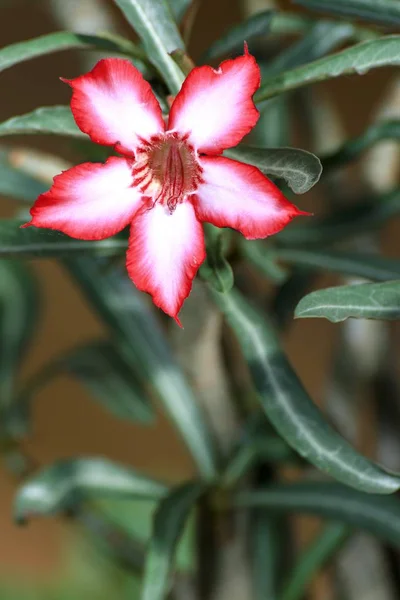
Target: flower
169	178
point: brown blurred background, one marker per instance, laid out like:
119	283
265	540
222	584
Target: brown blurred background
66	421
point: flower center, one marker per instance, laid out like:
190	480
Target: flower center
166	169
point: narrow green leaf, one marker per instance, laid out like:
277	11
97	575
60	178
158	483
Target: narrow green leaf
263	261
67	483
169	521
33	241
357	59
374	513
125	312
19	301
350	221
102	367
16	184
255	26
286	23
55	120
64	40
322	38
266	542
216	270
368	266
383	12
288	406
313	558
363	301
300	169
153	22
350	150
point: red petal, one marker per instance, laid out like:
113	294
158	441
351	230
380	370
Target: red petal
114	105
165	252
216	106
240	196
91	201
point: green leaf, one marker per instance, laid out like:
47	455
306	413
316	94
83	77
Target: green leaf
373	513
216	270
33	241
55	120
169	521
265	544
300	169
286	23
363	301
350	150
357	219
255	26
103	368
153	22
16	184
19	301
384	12
264	261
179	8
357	59
368	266
288	406
273	127
323	37
67	483
313	558
125	312
64	40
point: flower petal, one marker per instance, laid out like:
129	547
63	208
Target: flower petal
115	106
91	201
216	106
240	196
164	254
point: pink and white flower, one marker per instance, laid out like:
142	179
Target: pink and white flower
169	178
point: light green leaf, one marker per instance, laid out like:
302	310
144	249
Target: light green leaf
313	558
153	22
64	40
255	26
179	8
288	406
385	12
357	219
363	301
67	483
300	169
19	302
169	521
357	59
125	312
368	266
57	120
350	150
33	241
16	184
373	513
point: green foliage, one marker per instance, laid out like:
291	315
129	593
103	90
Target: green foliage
385	12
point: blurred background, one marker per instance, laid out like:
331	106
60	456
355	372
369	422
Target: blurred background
66	421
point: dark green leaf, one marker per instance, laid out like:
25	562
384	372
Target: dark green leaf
285	23
216	270
364	301
288	406
64	40
368	266
357	219
373	513
57	120
103	368
67	483
16	184
383	130
255	26
125	312
19	300
314	557
299	168
357	59
153	22
273	127
263	261
33	241
169	521
385	12
266	542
